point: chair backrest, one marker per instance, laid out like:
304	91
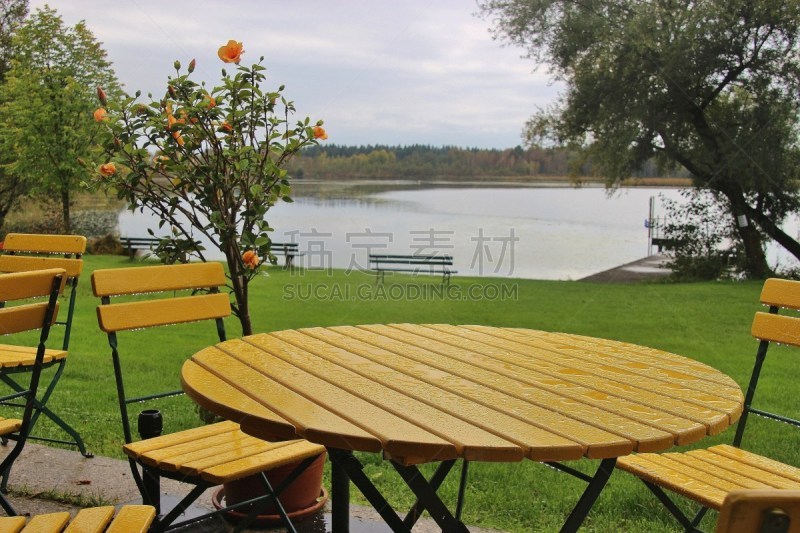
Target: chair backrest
760	511
768	328
30	315
24	252
145	308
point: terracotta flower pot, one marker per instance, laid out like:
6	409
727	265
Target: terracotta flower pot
303	497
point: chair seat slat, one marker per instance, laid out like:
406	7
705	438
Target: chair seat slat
707	476
9	425
12	524
50	522
141	447
218	452
129	519
253	464
91	520
133	519
13	356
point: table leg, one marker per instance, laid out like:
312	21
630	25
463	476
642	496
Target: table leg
353	469
589	496
340	497
429	499
435	482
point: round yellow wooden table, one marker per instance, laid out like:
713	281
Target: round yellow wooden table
425	393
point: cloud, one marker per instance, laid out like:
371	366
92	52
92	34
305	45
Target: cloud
376	71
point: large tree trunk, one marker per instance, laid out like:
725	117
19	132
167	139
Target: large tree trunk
756	265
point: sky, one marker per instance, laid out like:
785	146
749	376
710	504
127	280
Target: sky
394	72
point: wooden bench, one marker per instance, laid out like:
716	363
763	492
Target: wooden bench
416	264
134	244
289	250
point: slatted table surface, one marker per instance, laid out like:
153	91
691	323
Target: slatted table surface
422	393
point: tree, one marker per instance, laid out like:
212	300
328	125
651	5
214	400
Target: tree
47	101
711	86
12	12
208	161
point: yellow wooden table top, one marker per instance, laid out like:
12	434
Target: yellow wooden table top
422	393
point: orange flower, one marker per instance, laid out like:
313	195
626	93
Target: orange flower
172	120
231	52
250	259
226	127
100	114
108	169
210	101
319	133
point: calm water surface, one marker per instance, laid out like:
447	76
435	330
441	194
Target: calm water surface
525	232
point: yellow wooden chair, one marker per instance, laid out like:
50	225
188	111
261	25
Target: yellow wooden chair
760	511
205	456
27	252
709	475
129	519
26	316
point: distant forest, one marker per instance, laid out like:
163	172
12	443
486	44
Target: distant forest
422	162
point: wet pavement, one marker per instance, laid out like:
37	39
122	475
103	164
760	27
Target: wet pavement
42	475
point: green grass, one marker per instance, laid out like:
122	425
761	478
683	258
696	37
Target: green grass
706	321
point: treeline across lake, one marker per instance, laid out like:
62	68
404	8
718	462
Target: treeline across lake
421	162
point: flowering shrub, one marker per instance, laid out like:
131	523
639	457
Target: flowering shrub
208	162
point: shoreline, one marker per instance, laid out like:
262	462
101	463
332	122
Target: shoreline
646	269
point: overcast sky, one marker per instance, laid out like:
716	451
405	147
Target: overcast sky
376	71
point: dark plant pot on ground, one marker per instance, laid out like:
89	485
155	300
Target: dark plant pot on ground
304	497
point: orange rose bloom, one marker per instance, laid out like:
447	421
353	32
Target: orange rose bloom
250	259
108	170
100	114
231	52
319	133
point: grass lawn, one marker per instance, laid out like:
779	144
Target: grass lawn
709	322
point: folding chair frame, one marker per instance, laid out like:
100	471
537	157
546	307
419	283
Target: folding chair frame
30	393
69	252
148	478
691	524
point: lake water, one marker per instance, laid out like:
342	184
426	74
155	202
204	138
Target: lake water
525	232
